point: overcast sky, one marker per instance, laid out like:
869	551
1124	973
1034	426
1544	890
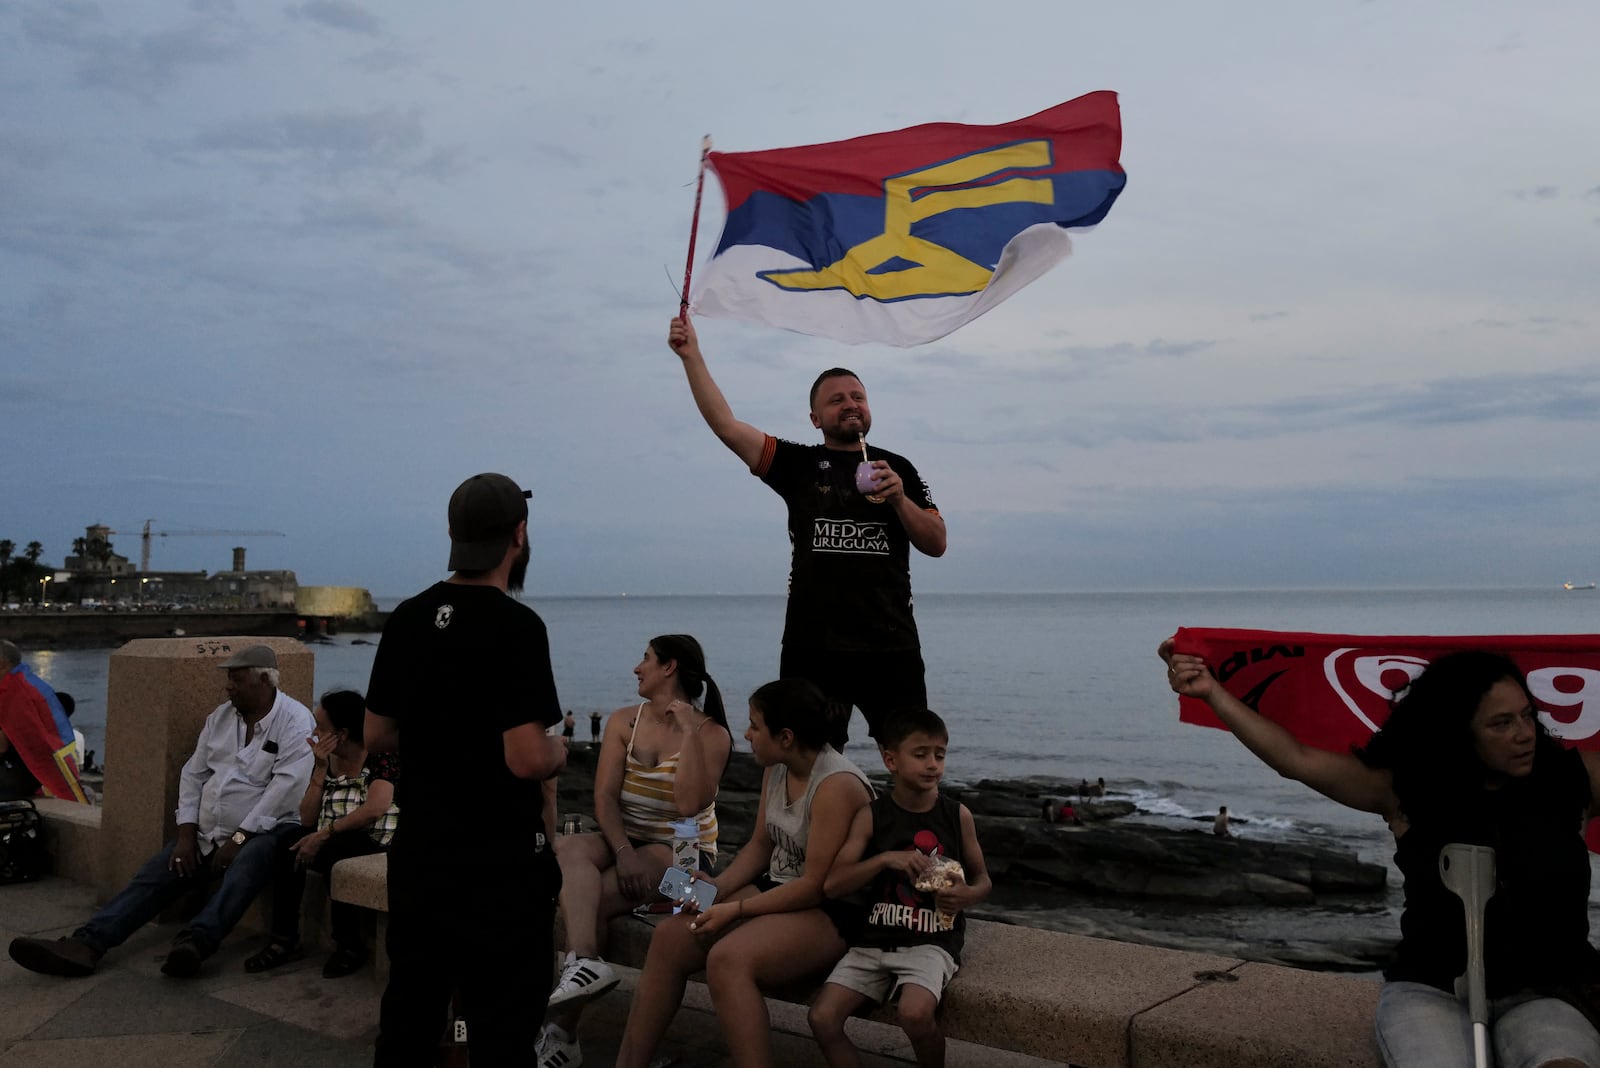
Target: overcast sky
305	266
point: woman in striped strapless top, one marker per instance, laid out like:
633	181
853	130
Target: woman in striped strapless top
660	762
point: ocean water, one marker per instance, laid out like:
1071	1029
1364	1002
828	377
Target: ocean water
1064	686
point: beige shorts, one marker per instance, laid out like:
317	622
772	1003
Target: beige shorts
880	973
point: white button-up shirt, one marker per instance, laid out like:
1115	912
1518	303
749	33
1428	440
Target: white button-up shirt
229	786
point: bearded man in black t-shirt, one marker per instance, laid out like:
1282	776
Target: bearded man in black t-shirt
462	687
849	626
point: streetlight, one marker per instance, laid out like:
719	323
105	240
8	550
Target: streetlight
142	583
44	593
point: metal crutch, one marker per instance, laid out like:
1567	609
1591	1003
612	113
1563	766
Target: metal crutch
1468	872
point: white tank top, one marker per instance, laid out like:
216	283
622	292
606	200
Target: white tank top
789	825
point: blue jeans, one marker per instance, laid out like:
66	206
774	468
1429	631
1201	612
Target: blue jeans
1420	1026
156	886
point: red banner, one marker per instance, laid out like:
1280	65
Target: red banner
1333	691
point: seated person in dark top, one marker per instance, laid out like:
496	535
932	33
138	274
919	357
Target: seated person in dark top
347	811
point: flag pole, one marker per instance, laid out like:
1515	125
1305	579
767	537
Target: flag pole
694	224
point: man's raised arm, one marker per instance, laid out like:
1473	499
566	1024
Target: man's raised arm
745	440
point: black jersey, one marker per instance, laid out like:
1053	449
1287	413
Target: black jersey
850	568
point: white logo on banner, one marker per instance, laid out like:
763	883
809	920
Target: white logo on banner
1551	687
1542	684
1369	672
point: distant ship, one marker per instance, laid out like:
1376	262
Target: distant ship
1577	585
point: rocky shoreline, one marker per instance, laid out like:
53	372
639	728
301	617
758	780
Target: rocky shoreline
1117	877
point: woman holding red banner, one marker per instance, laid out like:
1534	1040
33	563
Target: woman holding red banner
1464	758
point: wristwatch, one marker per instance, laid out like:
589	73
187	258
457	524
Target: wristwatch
239	838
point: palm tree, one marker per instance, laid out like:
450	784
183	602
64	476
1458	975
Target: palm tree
7	547
33	552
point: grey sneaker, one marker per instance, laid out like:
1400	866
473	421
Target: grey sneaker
55	956
582	979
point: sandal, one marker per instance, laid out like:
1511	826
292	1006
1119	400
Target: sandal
343	962
274	954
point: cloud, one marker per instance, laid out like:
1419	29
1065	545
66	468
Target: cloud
1566	396
23	395
1241	533
1263	317
1532	324
325	141
1538	192
140	64
339	15
1573	396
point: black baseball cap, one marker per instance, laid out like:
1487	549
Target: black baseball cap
484	511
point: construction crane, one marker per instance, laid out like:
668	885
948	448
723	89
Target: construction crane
146	534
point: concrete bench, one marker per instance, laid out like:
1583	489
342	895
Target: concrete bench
72	838
1090	1002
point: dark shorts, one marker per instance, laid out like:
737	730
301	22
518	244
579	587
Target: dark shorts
877	683
846	916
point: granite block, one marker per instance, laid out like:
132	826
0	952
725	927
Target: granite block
158	694
1064	997
362	881
1266	1016
72	835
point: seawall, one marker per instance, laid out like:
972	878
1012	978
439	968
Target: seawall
94	628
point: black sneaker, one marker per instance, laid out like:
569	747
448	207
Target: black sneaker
68	957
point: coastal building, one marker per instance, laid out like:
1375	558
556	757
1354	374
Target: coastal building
97	574
95	556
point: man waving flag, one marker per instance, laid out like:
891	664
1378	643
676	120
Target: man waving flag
903	237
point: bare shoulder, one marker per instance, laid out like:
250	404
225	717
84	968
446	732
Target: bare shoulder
843	786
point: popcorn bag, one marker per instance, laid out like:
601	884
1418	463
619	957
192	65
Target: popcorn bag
945	872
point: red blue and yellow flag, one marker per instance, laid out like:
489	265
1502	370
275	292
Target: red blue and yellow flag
903	237
38	731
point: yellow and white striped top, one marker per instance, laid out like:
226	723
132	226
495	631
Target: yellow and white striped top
647	805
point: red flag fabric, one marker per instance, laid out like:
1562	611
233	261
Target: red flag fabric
40	737
1332	691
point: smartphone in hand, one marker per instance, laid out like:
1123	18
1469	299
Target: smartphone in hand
682	887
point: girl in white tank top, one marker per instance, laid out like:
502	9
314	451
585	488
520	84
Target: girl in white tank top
768	925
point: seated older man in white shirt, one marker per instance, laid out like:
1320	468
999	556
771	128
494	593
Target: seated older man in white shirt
238	793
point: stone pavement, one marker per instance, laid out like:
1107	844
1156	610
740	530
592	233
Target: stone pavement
129	1015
